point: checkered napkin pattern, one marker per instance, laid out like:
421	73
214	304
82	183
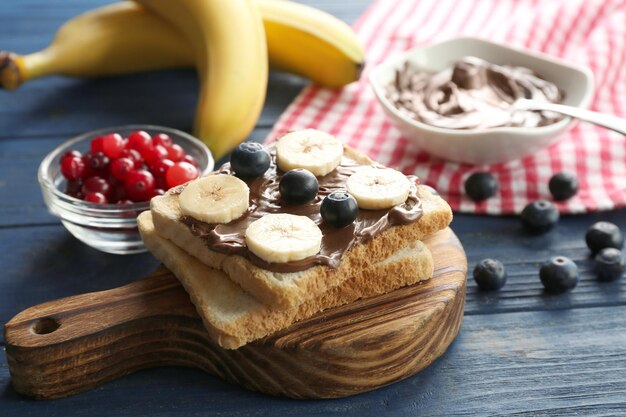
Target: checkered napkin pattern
587	32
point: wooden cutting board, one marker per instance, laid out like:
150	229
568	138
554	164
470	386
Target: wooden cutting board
66	346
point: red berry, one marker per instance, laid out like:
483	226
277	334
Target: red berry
73	167
158	191
96	185
74	188
175	153
180	173
126	201
162	139
132	154
141	141
161	182
112	145
121	167
96	145
71	153
113	182
155	154
119	193
159	168
191	160
98	161
139	185
98	198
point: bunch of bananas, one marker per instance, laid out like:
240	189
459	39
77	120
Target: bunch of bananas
230	43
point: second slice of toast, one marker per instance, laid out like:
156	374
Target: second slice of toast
233	317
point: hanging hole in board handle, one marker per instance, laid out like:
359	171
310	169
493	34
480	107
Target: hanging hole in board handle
45	325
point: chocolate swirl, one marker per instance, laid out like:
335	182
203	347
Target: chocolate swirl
473	94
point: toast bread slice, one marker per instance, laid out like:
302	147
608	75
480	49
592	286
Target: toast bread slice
288	289
233	317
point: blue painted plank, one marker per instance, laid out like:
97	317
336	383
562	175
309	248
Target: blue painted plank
522	254
43	263
57	105
557	363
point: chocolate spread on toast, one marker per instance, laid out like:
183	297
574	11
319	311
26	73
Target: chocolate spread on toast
265	198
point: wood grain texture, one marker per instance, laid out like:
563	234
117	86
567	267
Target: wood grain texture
520	351
537	363
66	346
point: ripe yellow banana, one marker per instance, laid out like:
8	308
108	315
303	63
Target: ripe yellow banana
228	41
124	38
311	43
115	39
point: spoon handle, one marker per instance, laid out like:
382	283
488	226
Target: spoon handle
605	120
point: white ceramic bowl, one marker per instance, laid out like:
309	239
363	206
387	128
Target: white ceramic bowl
492	145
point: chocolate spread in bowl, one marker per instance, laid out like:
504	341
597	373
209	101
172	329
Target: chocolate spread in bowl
265	199
473	94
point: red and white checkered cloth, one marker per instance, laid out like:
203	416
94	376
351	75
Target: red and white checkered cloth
588	32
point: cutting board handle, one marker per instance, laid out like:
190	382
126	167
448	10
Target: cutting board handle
82	341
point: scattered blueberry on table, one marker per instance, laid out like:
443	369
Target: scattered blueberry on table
563	186
604	235
540	216
559	274
480	186
610	264
490	274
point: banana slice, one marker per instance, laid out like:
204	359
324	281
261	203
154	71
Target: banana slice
377	188
310	149
283	237
215	199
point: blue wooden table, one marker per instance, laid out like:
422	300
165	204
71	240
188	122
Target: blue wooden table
519	351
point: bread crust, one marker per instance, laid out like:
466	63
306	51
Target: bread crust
233	317
289	289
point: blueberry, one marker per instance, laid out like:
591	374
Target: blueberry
563	186
604	235
480	186
298	186
610	264
559	274
540	216
489	274
250	160
339	209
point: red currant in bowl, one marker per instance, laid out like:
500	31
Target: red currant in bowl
180	173
98	189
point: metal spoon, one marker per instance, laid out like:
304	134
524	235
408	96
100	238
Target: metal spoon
605	120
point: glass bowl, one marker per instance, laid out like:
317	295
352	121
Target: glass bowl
110	228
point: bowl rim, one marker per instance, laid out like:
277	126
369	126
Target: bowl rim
395	60
47	184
